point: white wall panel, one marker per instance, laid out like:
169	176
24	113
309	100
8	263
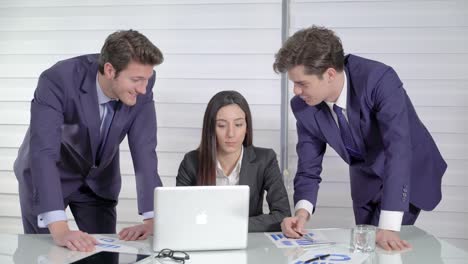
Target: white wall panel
191	115
180	41
415	39
408	66
366	14
141	16
57	3
166	90
168	115
11	136
435	93
7	157
175	66
423	66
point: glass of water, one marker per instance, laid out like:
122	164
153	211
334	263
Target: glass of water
363	238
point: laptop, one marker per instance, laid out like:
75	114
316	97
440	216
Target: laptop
192	218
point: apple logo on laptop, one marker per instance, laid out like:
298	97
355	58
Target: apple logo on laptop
201	218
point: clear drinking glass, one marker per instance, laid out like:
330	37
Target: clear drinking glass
363	238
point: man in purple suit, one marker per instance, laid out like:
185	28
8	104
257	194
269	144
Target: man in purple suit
359	107
82	109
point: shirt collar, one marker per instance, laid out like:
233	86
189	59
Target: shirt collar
102	98
343	97
219	169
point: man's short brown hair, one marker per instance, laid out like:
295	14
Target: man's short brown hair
316	48
122	47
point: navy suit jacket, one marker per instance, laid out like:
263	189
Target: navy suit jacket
59	151
401	160
260	171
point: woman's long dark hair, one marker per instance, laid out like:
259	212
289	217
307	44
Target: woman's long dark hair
207	148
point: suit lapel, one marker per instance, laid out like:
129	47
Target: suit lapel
248	171
353	111
331	131
89	104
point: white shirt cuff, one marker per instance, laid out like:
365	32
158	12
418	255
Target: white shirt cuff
304	204
389	258
44	219
390	220
148	215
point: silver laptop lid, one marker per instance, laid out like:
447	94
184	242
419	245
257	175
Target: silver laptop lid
201	217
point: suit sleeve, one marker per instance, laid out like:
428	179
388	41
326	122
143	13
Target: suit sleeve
187	174
277	199
390	105
310	151
142	142
45	140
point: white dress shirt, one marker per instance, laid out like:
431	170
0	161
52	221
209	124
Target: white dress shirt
231	179
389	220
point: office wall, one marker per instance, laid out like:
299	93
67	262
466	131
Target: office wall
213	45
209	46
426	42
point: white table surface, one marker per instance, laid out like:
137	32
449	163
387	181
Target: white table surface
28	249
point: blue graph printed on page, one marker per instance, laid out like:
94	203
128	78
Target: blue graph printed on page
300	242
307	240
332	259
107	246
277	236
108	240
281	236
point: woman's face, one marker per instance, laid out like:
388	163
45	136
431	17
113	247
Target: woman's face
231	128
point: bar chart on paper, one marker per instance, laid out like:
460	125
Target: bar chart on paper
309	239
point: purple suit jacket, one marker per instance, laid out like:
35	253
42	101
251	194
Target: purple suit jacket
59	150
401	160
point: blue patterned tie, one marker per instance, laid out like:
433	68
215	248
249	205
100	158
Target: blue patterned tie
105	125
345	132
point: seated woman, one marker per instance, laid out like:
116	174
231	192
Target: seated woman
226	156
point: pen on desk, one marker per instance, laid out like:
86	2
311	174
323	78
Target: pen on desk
316	258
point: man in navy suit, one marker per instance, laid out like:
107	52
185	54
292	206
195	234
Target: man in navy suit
82	109
358	107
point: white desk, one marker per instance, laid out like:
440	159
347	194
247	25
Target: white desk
28	249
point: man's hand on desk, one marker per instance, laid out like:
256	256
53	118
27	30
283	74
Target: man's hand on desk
390	240
74	240
293	227
138	232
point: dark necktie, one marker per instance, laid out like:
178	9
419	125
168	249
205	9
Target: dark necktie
345	132
105	125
